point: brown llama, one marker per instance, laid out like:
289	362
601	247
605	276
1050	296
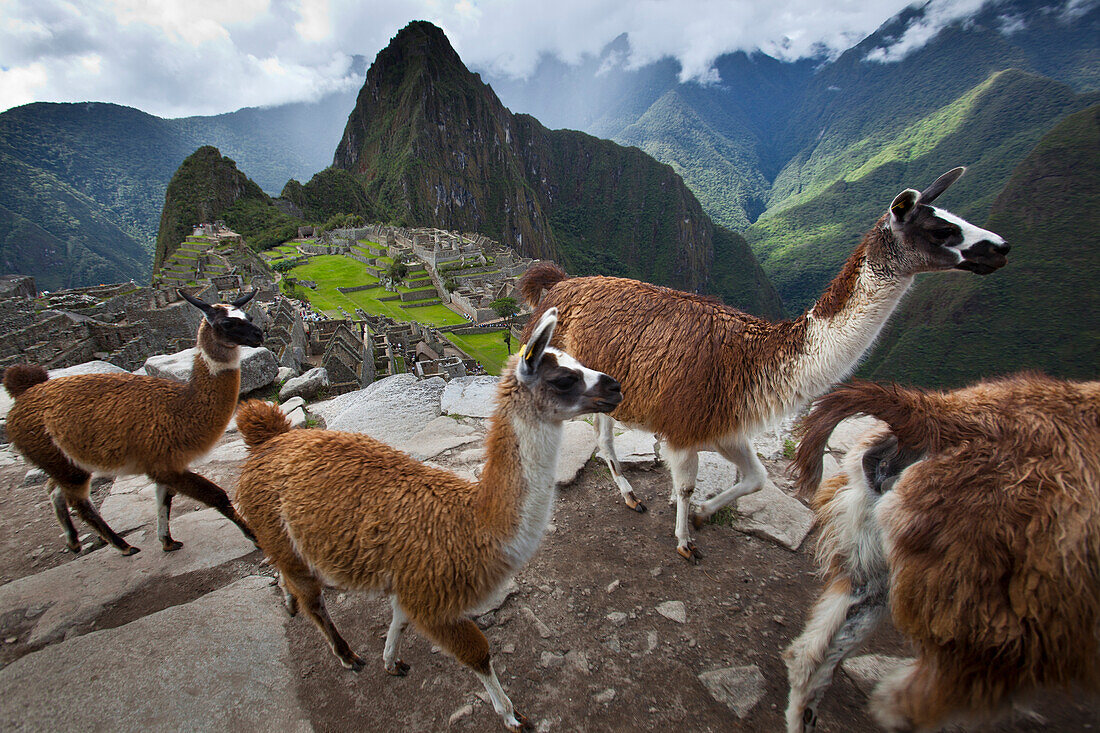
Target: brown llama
972	519
119	424
345	510
705	376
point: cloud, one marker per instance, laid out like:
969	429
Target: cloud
184	57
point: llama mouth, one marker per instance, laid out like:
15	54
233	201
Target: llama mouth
985	266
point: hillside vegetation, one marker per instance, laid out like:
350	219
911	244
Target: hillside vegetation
1042	310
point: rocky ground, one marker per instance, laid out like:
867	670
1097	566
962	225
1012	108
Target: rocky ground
607	629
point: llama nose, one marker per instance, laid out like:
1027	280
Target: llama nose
1002	248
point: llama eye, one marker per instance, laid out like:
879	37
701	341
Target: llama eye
944	233
564	382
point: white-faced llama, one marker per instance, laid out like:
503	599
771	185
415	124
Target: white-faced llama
972	519
706	376
345	510
119	424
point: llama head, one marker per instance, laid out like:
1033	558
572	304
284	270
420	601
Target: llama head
562	387
929	238
229	325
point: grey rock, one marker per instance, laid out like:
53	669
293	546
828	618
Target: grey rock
632	445
673	611
739	688
577	446
292	404
605	696
88	367
471	396
258	367
542	629
392	410
255	690
578	661
549	660
34	477
769	513
440	435
297	418
307	385
865	671
771	443
497	599
617	617
284	374
462	712
140	372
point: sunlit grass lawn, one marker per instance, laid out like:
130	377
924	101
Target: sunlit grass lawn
333	271
488	348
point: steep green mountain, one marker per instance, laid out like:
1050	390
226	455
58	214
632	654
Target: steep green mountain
433	145
1042	311
99	173
203	189
990	128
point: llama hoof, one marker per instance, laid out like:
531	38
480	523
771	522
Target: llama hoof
632	502
130	550
170	545
522	723
74	547
690	553
400	669
354	662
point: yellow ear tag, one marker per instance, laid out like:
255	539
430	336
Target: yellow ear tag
523	352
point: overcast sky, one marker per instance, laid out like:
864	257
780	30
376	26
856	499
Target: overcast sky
175	58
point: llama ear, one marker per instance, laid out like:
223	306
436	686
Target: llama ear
206	308
531	353
929	194
243	299
903	205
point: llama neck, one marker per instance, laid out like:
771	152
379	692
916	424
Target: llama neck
846	320
215	372
518	484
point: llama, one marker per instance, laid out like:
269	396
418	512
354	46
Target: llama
705	376
345	510
972	518
120	424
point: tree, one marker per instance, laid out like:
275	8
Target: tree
396	272
506	308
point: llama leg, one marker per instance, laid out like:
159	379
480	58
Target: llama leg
465	642
606	440
202	489
841	620
164	513
398	623
61	509
685	466
90	515
753	474
307	591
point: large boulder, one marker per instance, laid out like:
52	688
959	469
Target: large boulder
306	386
470	396
258	367
88	367
392	410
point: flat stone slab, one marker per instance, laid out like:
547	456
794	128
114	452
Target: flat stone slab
633	446
392	410
216	663
865	671
769	513
78	591
259	367
88	367
577	445
738	688
440	435
470	396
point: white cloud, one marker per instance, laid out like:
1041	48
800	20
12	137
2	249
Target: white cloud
937	15
183	57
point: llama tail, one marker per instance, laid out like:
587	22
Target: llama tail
21	377
539	277
916	417
260	421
